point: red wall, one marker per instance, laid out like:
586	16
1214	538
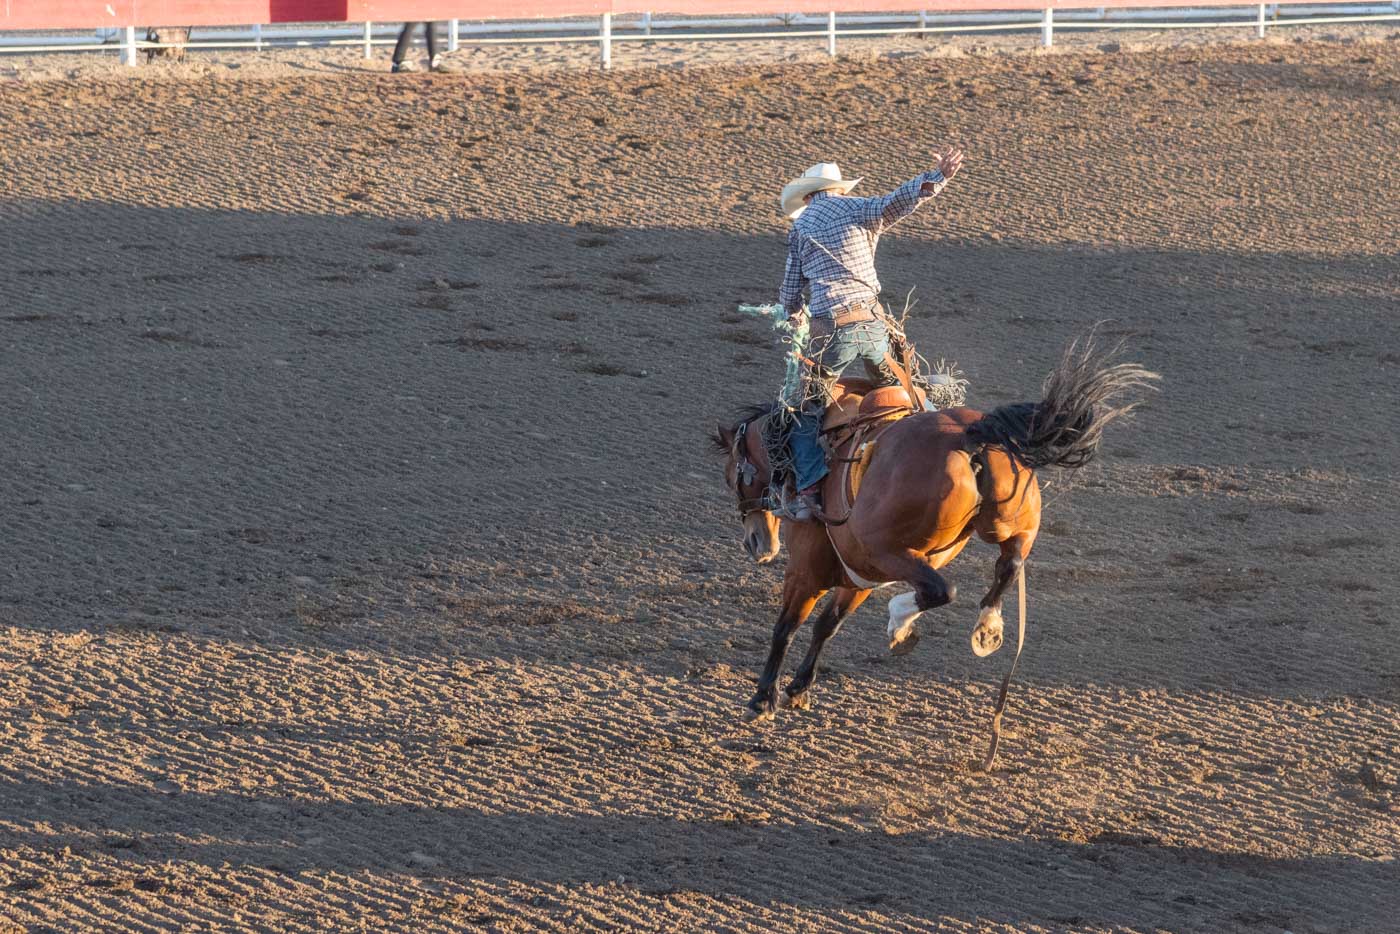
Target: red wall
90	14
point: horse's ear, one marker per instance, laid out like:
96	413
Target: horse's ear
723	439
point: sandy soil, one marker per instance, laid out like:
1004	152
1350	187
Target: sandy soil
672	51
363	565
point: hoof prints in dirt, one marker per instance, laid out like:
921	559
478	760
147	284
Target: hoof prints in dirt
172	336
601	369
332	332
592	368
443	285
398	248
257	259
483	343
667	299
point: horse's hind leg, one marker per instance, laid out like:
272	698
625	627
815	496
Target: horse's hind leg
930	592
987	637
843	603
799	596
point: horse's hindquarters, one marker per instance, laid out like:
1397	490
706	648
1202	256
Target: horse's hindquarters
918	495
1011	499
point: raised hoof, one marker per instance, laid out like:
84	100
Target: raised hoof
801	701
903	643
986	637
986	640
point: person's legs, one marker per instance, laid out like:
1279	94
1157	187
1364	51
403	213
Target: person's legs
808	458
870	342
830	352
430	30
405	40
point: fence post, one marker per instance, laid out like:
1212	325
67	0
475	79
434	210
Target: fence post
1047	29
130	46
923	20
831	34
257	37
369	46
1261	21
605	40
646	24
452	31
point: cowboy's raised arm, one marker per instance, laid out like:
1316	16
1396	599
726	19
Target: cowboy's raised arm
904	200
790	294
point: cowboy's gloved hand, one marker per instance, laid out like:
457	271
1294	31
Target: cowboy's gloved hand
798	319
950	161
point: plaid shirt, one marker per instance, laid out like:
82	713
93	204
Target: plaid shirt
849	228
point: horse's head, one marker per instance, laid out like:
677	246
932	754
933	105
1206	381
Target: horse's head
747	472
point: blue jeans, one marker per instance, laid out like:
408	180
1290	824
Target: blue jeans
832	352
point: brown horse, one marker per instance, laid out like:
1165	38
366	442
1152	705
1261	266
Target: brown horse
933	480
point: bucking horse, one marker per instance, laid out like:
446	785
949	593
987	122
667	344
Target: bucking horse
907	490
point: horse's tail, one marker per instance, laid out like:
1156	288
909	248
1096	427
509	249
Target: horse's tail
1065	427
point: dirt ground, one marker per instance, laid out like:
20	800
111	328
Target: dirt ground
364	567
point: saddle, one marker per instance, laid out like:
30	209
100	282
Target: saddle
856	401
854	421
849	394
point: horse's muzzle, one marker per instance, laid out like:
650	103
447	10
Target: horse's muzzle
758	549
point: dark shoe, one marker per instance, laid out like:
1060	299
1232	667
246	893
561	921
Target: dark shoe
400	67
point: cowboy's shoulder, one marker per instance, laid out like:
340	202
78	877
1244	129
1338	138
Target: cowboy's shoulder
830	211
864	207
854	209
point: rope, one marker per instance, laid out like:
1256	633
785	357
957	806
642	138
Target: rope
1006	681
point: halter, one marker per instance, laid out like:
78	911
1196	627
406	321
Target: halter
744	468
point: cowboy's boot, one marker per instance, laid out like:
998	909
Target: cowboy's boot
804	507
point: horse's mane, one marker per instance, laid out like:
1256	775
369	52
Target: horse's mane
746	413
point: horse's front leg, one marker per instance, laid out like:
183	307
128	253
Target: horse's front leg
987	637
843	603
799	596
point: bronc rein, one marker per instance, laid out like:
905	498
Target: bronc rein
745	471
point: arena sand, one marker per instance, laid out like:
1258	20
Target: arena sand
364	566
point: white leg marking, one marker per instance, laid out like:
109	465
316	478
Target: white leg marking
904	609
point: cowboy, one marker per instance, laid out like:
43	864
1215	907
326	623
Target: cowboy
831	253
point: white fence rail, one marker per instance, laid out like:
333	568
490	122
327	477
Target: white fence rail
607	30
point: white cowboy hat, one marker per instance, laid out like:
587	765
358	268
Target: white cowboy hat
824	176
